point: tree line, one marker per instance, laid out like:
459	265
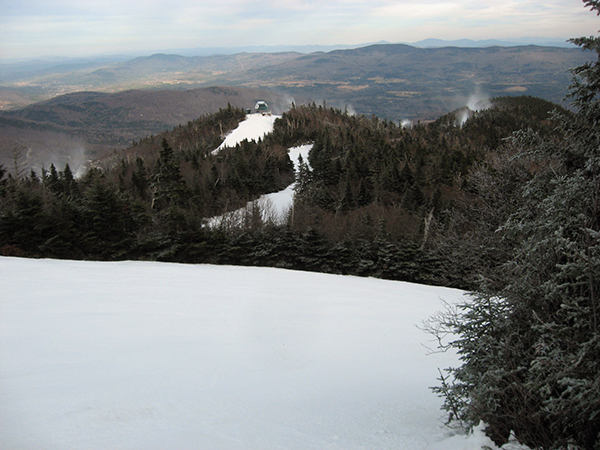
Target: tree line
373	198
506	204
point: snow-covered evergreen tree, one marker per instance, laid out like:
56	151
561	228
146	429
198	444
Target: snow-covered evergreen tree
531	348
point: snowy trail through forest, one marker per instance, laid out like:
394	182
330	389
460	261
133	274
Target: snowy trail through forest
252	128
273	206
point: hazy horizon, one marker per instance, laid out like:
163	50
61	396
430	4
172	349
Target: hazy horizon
210	51
65	28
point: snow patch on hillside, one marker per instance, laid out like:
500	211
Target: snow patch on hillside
252	128
273	207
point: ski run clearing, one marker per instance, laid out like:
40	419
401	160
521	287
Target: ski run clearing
152	356
253	128
274	206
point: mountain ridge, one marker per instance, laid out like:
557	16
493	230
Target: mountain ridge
96	122
392	81
163	70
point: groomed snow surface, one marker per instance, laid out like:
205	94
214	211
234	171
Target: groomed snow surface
145	355
152	356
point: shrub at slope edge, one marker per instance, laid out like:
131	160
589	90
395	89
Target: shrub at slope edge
531	348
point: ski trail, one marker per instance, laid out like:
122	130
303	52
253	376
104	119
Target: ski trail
274	206
252	128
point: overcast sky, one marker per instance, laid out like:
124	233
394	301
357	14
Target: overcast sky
32	28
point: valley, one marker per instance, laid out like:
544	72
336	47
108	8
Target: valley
91	107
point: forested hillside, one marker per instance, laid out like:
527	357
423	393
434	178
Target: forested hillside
504	201
529	338
373	199
85	125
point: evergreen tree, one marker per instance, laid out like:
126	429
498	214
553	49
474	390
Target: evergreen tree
69	185
531	347
2	180
168	186
52	179
139	178
347	201
23	222
110	223
364	196
303	177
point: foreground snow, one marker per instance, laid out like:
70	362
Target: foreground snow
143	355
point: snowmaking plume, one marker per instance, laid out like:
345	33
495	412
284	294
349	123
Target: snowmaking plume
476	102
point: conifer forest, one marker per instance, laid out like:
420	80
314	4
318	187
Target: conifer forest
373	199
505	205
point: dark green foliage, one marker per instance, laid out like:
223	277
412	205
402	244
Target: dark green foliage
109	221
66	236
375	200
140	180
69	186
22	221
530	341
356	162
51	179
167	187
2	181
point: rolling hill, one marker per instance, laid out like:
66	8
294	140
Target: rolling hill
84	124
400	81
392	81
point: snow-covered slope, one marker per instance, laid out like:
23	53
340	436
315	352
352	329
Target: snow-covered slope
142	355
252	128
274	206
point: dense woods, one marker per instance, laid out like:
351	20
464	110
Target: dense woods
374	198
504	202
529	339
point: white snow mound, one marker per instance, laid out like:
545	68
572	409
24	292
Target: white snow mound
144	355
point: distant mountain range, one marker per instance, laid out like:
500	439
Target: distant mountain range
210	51
425	43
391	81
339	75
10	70
397	81
543	42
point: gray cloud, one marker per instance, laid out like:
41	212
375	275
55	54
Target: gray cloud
68	27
